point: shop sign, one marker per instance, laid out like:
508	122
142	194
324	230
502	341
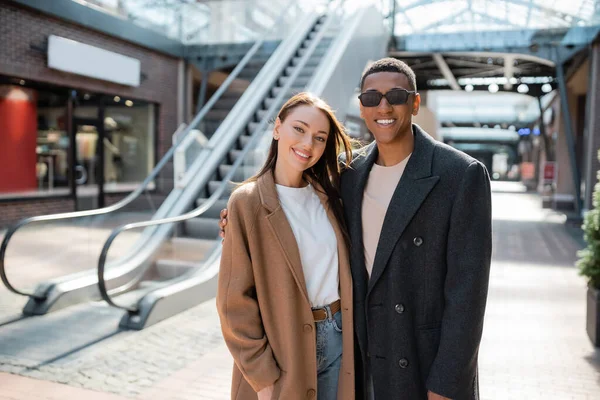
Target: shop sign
82	59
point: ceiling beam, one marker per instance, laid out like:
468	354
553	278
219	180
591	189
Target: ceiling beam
444	21
483	74
418	4
446	72
546	10
529	7
467	63
403	12
519	56
500	21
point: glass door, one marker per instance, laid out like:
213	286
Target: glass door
88	163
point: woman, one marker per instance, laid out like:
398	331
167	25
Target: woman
285	291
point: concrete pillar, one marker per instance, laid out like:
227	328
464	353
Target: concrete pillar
564	195
592	165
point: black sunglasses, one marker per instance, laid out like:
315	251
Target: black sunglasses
395	97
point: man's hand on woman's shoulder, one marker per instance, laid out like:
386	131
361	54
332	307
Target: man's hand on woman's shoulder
223	223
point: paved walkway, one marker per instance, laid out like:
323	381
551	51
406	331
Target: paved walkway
534	344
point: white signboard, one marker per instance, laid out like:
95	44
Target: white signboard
82	59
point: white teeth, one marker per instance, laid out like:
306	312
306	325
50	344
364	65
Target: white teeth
385	121
301	154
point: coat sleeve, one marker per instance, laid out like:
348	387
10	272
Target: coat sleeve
469	251
238	307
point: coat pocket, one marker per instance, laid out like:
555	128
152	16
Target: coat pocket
278	387
428	342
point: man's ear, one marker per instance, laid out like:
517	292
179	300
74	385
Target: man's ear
416	104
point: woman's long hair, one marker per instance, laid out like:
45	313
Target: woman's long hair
327	170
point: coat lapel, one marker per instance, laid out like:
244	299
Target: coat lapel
413	188
282	230
361	166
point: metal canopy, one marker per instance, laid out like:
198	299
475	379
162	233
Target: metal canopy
448	16
508	59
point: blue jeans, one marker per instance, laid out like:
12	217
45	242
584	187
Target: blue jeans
329	355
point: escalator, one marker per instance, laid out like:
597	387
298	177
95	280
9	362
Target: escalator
173	262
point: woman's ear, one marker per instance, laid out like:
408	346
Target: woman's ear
276	129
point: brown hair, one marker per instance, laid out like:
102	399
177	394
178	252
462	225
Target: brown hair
327	170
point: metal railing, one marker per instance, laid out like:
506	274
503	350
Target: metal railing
150	178
107	294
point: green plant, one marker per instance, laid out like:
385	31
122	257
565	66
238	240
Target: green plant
589	258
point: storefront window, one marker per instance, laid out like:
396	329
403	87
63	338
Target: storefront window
129	143
35	143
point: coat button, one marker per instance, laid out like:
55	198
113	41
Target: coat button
418	241
399	308
403	363
308	328
310	394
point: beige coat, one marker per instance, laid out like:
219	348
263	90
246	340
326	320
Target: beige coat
263	303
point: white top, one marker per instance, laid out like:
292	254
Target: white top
316	242
378	194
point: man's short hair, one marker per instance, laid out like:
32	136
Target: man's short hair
390	65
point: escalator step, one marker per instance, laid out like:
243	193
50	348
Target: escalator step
202	228
312	62
242	173
306	71
244	140
215	210
318	51
254	157
269	101
290	92
300	81
214	185
262	114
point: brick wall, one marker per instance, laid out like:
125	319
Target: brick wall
10	212
20	28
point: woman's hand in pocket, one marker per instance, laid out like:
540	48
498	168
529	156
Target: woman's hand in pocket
266	393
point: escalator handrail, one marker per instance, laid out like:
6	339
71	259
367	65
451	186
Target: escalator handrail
258	132
153	174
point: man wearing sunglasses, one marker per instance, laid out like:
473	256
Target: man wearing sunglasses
419	218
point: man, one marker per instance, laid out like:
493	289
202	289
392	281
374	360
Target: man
419	218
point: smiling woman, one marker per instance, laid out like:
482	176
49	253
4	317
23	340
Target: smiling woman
286	254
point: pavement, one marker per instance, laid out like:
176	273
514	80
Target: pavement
534	343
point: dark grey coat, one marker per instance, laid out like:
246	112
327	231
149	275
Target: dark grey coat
419	318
